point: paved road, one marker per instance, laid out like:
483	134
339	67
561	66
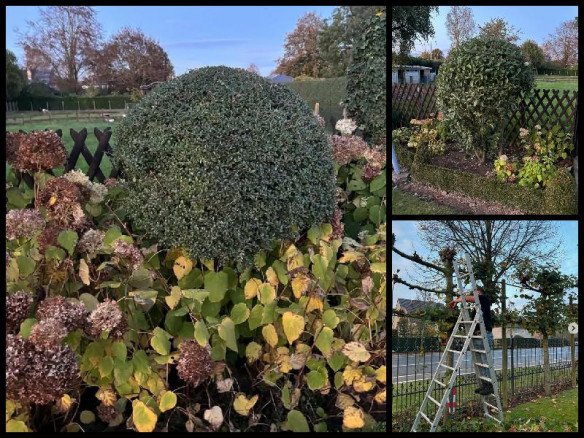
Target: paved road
411	367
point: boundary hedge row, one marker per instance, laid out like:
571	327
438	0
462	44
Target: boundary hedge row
73	103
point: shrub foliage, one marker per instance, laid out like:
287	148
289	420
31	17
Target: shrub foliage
221	162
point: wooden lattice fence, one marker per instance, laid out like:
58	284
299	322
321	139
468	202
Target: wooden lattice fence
542	107
80	149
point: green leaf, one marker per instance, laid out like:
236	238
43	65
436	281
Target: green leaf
378	267
119	350
167	401
144	298
140	279
87	417
26	326
68	239
193	280
324	339
296	422
330	318
216	283
196	294
201	333
112	234
255	316
226	332
26	266
317	379
160	341
377	214
89	301
106	366
337	360
55	253
356	184
144	418
267	293
16	425
360	214
240	313
314	234
260	259
281	271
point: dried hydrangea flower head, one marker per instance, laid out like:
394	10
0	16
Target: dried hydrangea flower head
194	363
107	316
23	223
346	126
35	151
347	149
97	191
18	308
39	375
91	242
337	223
128	252
62	200
49	236
107	414
70	314
47	333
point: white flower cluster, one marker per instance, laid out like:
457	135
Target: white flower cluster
346	126
97	190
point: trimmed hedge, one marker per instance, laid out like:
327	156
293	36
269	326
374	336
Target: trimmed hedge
559	198
328	93
73	103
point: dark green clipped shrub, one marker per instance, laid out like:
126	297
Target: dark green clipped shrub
220	161
478	87
560	194
366	88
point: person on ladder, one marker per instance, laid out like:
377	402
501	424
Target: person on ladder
487	387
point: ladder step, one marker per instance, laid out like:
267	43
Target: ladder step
466	322
426	418
496	419
455	351
443	385
477	337
480	351
484	365
437	403
446	366
460	336
486	378
492	407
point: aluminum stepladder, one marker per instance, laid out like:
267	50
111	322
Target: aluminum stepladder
481	357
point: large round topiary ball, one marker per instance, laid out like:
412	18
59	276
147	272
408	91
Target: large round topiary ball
366	82
478	87
221	162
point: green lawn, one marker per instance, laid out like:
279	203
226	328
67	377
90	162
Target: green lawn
66	125
404	203
557	82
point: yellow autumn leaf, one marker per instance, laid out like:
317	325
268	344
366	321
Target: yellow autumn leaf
144	418
64	403
351	256
272	277
291	251
270	335
52	200
363	384
182	266
350	374
295	261
344	401
353	418
283	360
107	396
167	401
174	298
300	285
84	272
251	288
381	396
314	303
293	326
381	374
356	351
242	405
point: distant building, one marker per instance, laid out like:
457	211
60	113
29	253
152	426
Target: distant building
281	79
411	306
515	332
411	74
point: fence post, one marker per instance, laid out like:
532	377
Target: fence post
93	104
31	106
504	376
110	104
573	350
63	105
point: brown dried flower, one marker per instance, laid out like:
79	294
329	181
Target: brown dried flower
49	236
194	364
107	414
39	375
337	223
107	316
347	148
47	333
91	242
18	308
129	253
23	223
62	200
35	151
370	171
70	314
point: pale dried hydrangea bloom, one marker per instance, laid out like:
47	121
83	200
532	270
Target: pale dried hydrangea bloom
107	316
347	149
337	223
47	333
91	242
128	252
320	120
194	363
18	308
35	151
70	314
346	126
97	191
39	375
23	223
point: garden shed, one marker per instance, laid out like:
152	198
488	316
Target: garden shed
411	74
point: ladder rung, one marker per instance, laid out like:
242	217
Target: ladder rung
446	366
480	351
477	337
455	351
466	322
491	406
460	336
496	419
435	402
426	418
484	365
440	383
486	378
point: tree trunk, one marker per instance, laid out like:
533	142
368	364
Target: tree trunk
546	366
504	375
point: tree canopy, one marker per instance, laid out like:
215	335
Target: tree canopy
409	23
499	28
15	76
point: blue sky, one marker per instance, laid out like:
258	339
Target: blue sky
533	22
196	36
408	241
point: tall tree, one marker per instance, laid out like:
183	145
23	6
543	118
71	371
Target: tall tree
338	35
129	60
409	23
499	28
15	77
460	24
562	46
434	54
533	53
64	36
252	68
301	56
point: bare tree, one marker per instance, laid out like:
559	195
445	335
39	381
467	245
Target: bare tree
562	46
252	68
460	24
63	36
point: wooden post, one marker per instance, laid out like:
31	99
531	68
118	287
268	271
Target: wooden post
93	104
110	104
31	106
47	105
504	376
573	349
316	109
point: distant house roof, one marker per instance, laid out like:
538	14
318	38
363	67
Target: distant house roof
413	305
282	79
410	67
